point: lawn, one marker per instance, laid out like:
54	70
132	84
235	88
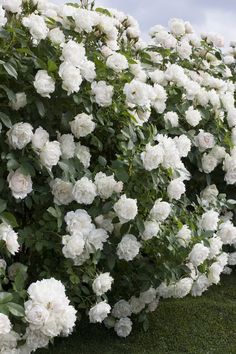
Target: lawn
192	325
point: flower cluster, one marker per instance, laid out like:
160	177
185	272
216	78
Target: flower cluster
117	167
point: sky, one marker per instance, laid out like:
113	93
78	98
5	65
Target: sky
205	15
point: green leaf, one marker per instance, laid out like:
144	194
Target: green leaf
10	70
52	66
5	119
3	205
15	309
40	108
9	219
5	297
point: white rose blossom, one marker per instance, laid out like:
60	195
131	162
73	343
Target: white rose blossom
20	184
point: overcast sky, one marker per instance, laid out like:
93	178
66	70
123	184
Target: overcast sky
205	15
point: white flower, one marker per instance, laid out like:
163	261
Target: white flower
35	339
214	273
73	53
20	135
123	327
82	125
183	287
95	239
56	36
183	144
62	191
8	235
128	248
37	26
209	220
5	324
232	258
13	6
20	101
209	194
151	229
106	185
87	69
3	19
39	138
83	154
79	220
215	246
137	305
84	191
36	314
209	163
121	309
177	26
193	116
50	154
20	184
67	145
175	189
160	210
184	236
148	296
200	285
172	119
204	140
152	157
103	93
184	49
198	254
44	83
137	93
99	312
102	283
117	62
71	77
227	233
73	245
126	208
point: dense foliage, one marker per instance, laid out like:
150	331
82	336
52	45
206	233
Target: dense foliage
117	172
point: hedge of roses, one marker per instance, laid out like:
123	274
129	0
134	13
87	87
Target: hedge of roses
118	166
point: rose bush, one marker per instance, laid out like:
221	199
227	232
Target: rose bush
117	168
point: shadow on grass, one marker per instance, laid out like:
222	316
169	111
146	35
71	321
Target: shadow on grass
201	325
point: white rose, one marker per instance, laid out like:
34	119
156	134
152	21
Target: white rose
5	324
44	83
214	273
79	220
84	191
39	138
67	145
121	309
204	140
3	19
10	237
198	254
209	220
123	327
103	93
20	135
183	145
160	211
152	157
20	184
13	6
200	285
82	125
184	236
193	116
209	163
36	314
175	189
50	154
172	119
102	283
37	26
177	26
62	191
215	246
151	229
126	208
209	194
20	101
71	77
99	312
137	305
88	71
227	233
95	240
73	245
56	36
183	287
117	62
128	248
73	53
148	296
83	154
106	185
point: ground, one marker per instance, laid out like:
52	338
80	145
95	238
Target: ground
203	325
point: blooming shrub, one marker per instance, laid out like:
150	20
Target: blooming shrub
117	168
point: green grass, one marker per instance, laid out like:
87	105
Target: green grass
201	325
